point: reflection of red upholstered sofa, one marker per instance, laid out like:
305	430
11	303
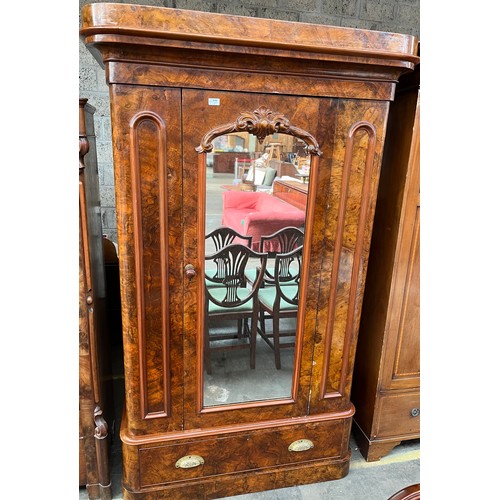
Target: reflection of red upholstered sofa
257	214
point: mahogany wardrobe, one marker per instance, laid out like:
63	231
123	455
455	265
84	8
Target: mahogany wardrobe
95	413
386	377
184	86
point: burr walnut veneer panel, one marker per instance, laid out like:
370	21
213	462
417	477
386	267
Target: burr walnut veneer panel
330	87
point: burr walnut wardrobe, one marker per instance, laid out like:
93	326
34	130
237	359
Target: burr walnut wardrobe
184	84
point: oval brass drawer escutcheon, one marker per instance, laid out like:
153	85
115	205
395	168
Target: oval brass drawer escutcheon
301	445
189	461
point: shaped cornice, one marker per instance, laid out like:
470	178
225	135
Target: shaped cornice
113	23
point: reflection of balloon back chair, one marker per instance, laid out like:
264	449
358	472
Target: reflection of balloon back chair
230	299
282	241
224	236
218	239
281	299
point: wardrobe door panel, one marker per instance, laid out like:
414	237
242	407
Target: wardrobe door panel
358	140
146	136
401	366
200	116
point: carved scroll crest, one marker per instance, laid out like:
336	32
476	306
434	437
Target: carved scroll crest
101	427
261	123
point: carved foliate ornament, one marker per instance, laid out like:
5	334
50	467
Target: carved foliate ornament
261	123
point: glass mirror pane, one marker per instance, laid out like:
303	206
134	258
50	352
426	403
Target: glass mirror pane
256	196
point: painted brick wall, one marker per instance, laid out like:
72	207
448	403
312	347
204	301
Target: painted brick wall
397	16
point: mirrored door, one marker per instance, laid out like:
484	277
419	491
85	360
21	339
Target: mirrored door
246	159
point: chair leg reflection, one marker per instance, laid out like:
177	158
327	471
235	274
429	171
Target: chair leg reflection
242	338
231	299
280	299
274	338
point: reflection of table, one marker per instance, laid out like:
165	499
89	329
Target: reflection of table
224	161
240	186
283	168
293	192
303	177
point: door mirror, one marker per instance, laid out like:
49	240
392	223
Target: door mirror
252	252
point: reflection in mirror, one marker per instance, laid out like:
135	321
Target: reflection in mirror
256	196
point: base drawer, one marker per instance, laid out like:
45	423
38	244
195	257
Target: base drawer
244	451
398	414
